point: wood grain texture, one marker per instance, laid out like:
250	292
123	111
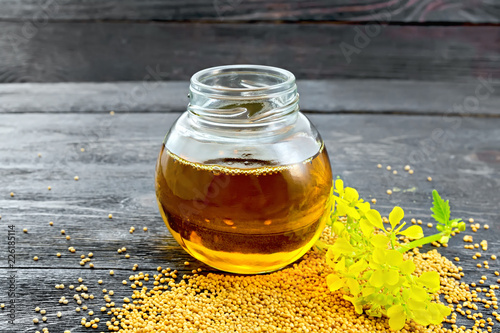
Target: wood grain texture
482	11
124	51
478	97
116	176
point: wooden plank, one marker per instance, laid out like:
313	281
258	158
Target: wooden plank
482	11
478	97
123	51
116	176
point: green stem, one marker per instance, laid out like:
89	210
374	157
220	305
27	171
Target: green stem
419	242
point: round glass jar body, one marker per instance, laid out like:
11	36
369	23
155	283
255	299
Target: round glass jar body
243	177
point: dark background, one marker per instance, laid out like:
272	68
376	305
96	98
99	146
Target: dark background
118	40
391	82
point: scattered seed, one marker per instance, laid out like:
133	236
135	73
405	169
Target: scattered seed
395	172
407	168
379	166
51	223
25	230
111	272
11	194
35	258
388	168
35	320
110	216
410	172
429	225
389	192
429	179
146	228
68	237
471	220
76	178
63	232
49	188
374	201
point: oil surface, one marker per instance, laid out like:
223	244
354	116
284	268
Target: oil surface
243	220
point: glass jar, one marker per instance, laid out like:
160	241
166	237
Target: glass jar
243	177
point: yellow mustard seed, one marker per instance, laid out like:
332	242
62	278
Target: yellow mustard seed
388	168
25	230
410	171
407	168
395	172
379	166
145	228
389	192
493	257
76	178
59	314
49	188
11	194
35	258
100	281
111	272
68	237
35	320
429	225
63	231
429	179
110	216
51	223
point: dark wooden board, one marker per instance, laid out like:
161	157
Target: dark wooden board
480	97
125	51
116	176
481	11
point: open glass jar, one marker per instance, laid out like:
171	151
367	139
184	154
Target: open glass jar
243	177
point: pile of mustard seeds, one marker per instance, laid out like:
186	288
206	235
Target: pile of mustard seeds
295	299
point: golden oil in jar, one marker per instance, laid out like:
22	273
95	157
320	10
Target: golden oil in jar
244	215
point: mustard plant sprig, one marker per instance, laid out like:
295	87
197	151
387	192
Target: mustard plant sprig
368	261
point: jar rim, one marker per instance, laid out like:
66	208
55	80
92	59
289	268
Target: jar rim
286	77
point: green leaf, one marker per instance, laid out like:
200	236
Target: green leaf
374	217
430	280
396	216
334	282
413	232
441	208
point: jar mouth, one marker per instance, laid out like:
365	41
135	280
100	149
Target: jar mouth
243	80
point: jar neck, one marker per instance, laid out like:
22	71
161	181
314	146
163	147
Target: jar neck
243	97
